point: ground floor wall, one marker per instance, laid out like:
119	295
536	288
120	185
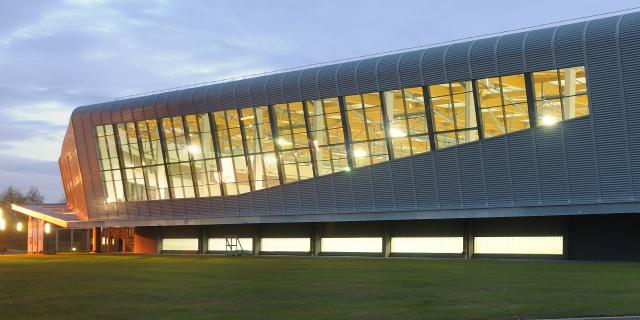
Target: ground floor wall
594	237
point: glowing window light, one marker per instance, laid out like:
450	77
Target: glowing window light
519	245
549	120
285	244
359	153
193	149
270	159
283	142
19	226
220	244
397	133
3	223
364	244
180	244
427	245
47	228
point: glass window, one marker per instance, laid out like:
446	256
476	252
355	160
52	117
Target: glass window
366	125
201	150
327	135
407	121
293	142
454	113
503	105
153	160
109	164
234	171
256	126
560	94
177	157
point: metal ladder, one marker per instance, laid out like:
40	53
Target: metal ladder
233	247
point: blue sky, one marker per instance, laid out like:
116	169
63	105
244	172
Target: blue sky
57	55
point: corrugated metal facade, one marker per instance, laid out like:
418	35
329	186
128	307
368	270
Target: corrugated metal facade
588	160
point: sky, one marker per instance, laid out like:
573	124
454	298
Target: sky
58	55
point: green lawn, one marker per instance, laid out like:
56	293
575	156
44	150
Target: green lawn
192	287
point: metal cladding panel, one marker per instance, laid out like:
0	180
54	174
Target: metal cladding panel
308	199
433	66
449	192
161	106
551	165
457	61
126	111
259	91
137	109
342	187
200	100
106	112
569	45
366	75
363	190
424	179
510	53
403	189
524	173
204	206
190	208
245	204
346	77
579	149
309	84
609	118
230	206
291	196
154	209
275	201
291	86
327	81
409	69
388	77
382	187
116	111
483	58
495	163
214	102
173	104
629	53
539	49
260	204
326	196
473	188
243	93
186	101
274	89
216	206
228	95
149	109
95	117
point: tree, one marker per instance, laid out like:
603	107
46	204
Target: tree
13	195
33	196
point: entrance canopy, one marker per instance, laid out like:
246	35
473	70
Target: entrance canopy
57	214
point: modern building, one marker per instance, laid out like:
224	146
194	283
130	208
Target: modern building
526	144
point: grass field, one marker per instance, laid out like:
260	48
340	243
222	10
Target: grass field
192	287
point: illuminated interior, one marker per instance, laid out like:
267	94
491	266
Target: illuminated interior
220	244
236	151
353	245
180	244
285	244
552	245
452	245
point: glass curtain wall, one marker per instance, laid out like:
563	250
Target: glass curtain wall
177	157
293	142
560	94
109	164
454	113
234	170
366	128
203	158
134	185
256	126
327	135
153	163
407	118
264	146
503	104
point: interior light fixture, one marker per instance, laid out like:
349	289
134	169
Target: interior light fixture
283	142
47	228
19	226
193	149
359	153
397	133
3	224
